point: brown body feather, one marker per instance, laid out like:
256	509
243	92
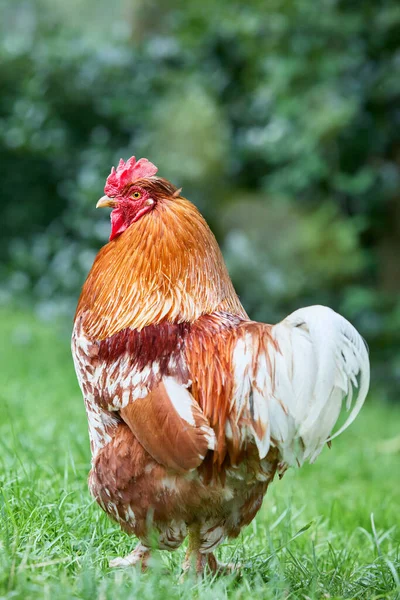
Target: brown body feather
171	441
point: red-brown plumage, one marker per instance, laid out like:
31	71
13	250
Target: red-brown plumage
192	341
154	342
188	419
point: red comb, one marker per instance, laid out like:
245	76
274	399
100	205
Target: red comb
126	173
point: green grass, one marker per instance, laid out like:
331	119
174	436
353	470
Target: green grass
315	536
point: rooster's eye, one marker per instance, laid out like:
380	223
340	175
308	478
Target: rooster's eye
136	195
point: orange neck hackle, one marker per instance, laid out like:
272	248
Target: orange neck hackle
167	267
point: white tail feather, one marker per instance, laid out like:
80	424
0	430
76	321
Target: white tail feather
290	395
320	357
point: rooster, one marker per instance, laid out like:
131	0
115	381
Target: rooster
192	407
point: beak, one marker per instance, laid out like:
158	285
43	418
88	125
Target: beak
105	201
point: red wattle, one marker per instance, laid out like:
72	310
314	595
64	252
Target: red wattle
118	224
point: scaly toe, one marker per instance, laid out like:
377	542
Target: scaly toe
121	561
140	555
220	568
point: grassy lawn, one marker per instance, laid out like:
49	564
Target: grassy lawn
329	530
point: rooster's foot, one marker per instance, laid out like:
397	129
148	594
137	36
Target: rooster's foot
203	563
140	555
219	568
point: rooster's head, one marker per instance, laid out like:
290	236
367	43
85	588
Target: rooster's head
132	190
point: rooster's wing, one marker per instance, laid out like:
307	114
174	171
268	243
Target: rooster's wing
169	424
152	395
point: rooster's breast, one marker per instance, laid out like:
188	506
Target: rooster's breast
146	498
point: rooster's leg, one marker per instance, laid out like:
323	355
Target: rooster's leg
199	560
141	554
193	557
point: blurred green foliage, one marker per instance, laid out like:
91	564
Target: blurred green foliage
281	121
